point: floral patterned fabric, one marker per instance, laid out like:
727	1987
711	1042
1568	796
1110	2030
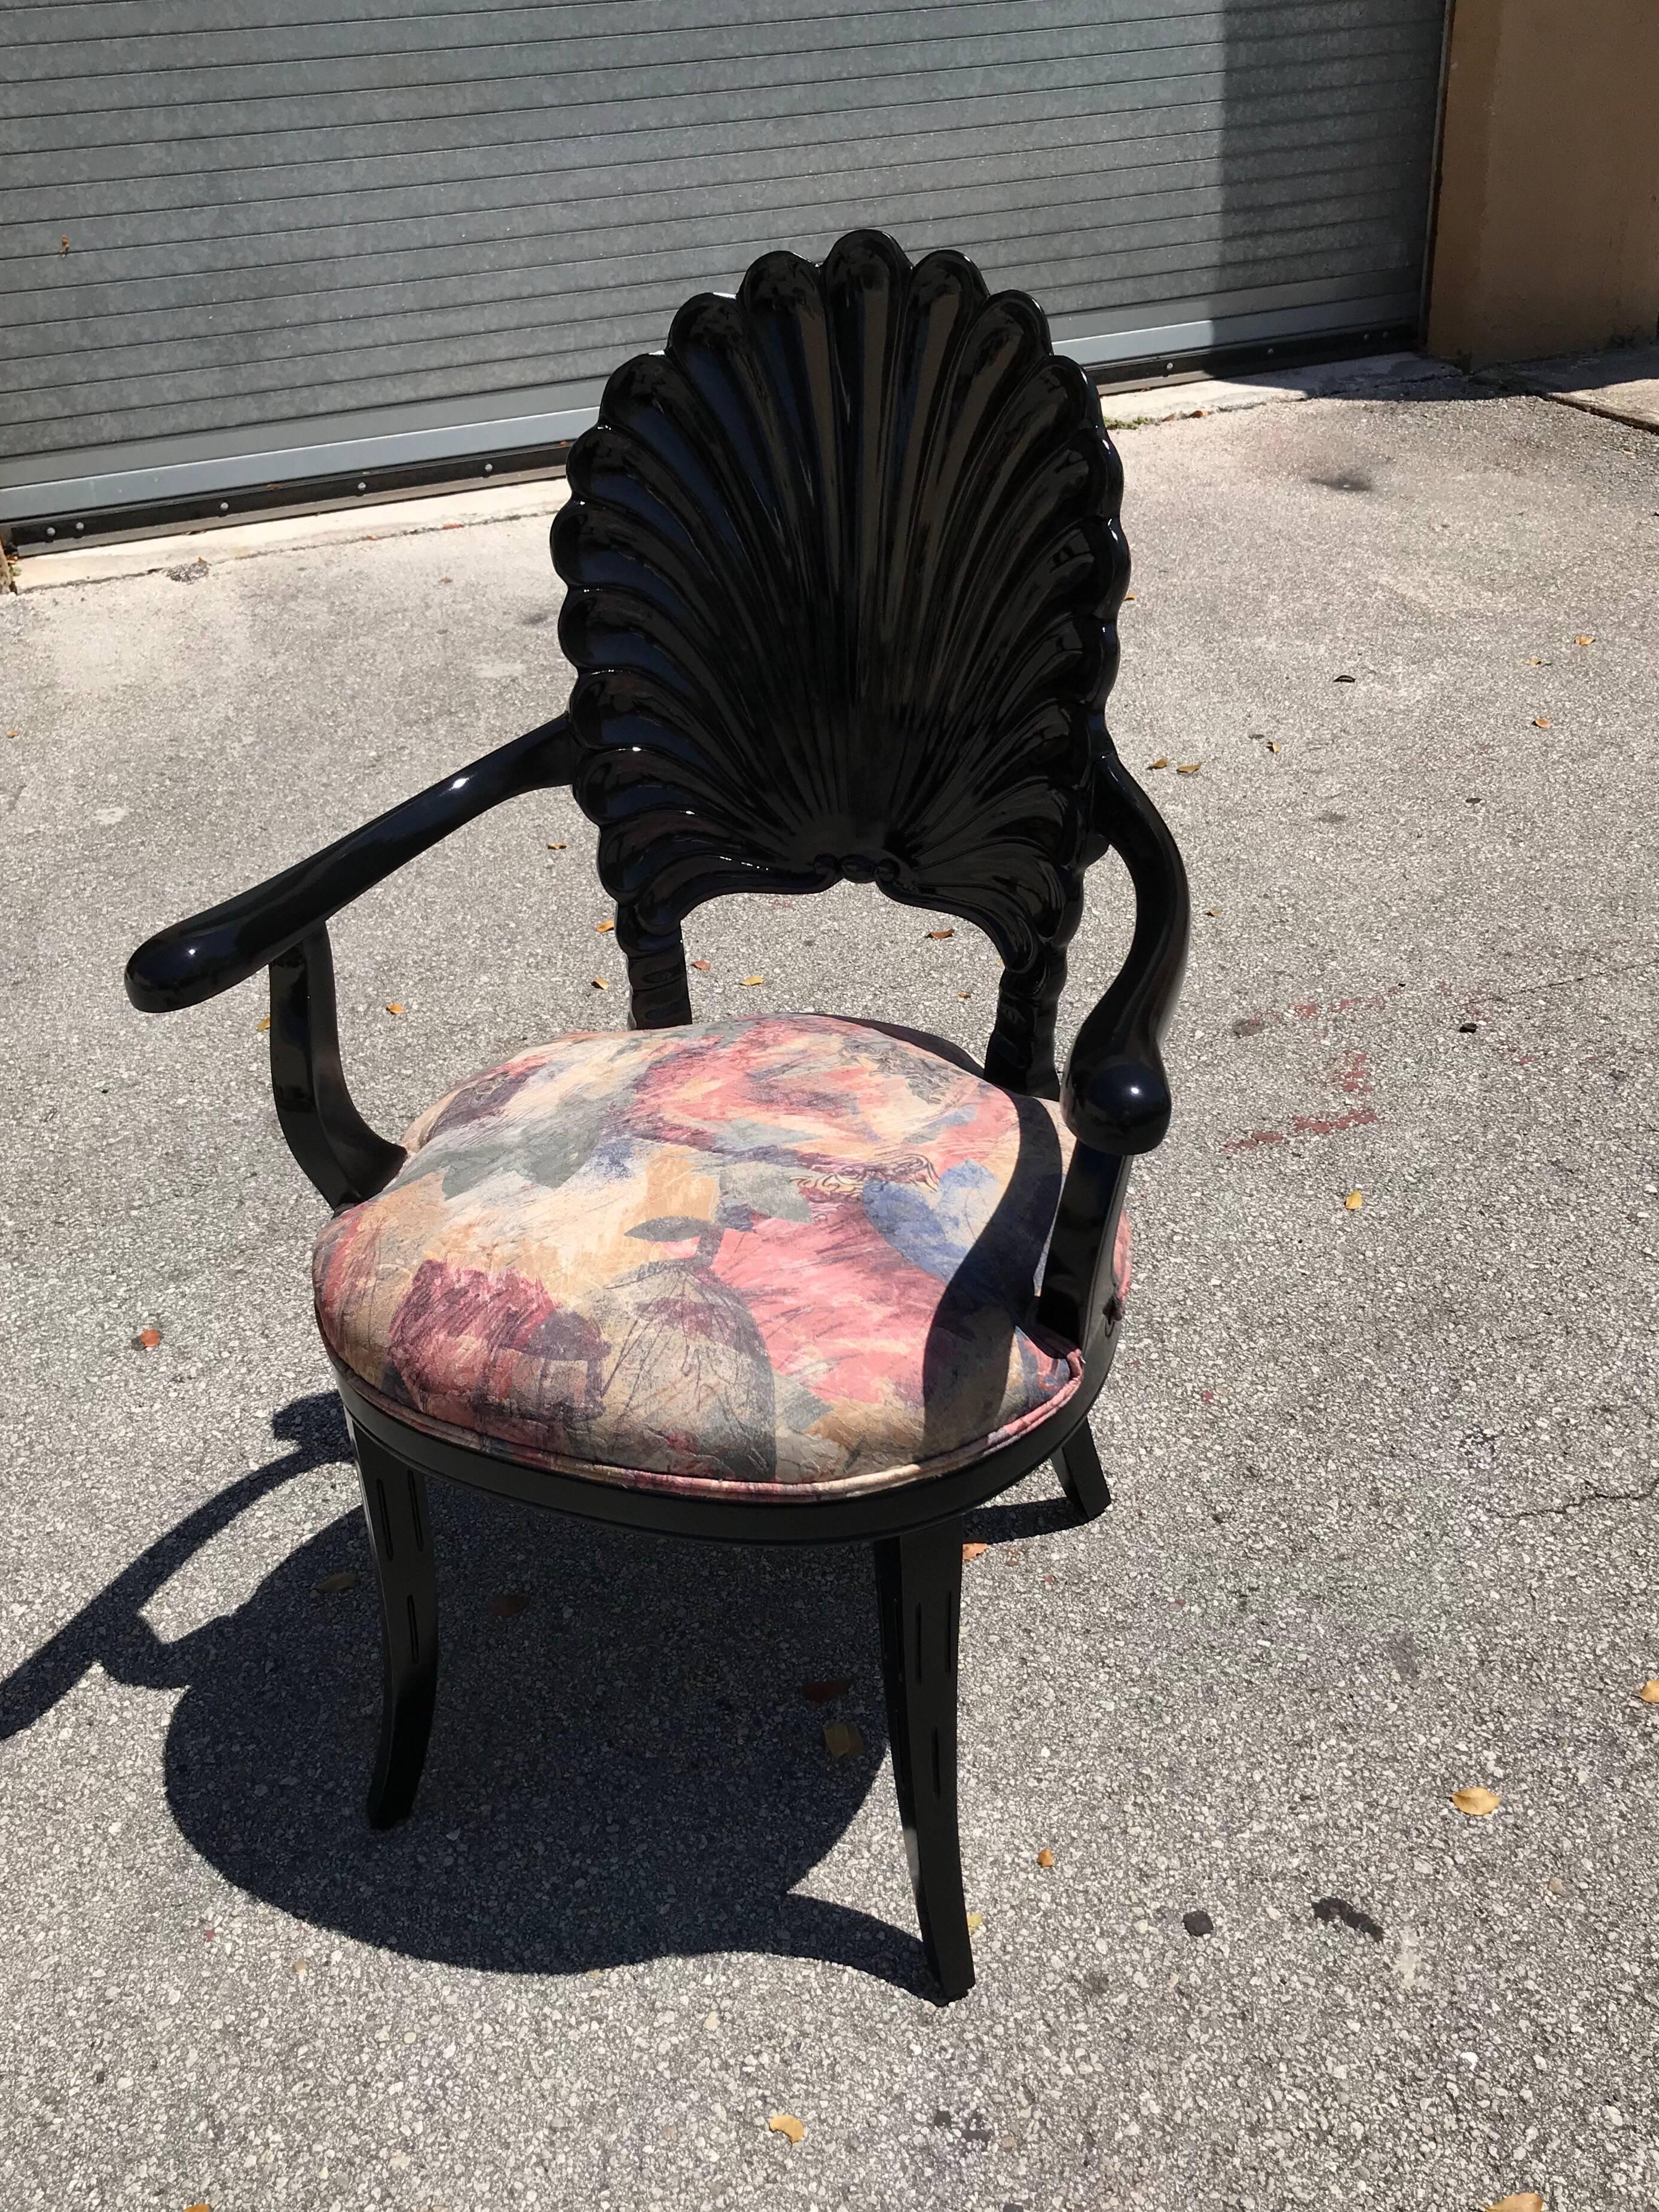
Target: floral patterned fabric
789	1253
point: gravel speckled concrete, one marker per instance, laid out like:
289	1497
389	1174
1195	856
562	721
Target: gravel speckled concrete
1386	1519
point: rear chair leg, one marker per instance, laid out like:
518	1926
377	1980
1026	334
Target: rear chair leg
1078	1466
399	1536
918	1582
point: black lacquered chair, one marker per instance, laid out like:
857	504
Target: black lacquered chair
842	568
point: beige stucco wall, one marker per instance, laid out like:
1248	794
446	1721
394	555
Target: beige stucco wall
1547	231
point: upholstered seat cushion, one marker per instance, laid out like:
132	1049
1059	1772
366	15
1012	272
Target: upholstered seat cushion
792	1252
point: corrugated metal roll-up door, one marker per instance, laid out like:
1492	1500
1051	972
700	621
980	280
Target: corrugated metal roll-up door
253	241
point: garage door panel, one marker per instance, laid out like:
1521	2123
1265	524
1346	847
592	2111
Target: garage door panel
125	406
1009	213
225	219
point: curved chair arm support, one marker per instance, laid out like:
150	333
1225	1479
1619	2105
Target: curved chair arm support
1116	1096
1078	1295
339	1153
198	958
282	924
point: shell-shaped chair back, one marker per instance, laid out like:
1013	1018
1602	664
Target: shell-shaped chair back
843	565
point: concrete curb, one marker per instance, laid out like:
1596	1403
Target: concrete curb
1622	383
1336	380
405	518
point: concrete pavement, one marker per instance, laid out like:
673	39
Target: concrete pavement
1386	1474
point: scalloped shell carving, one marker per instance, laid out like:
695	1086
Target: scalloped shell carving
844	563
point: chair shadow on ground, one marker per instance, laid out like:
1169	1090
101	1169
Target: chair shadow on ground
623	1767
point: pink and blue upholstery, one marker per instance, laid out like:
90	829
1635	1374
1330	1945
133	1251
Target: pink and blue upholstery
794	1253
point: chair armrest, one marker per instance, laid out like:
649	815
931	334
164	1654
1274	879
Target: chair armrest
196	959
1115	1097
282	924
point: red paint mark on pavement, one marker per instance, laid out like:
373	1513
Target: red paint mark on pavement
1354	1075
1256	1137
1310	1125
1304	1010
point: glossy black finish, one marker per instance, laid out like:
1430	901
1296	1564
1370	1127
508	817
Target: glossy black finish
736	1521
282	924
210	952
399	1539
844	565
1079	1298
1078	1466
1116	1096
919	1592
331	1141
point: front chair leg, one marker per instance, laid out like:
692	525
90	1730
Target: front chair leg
1078	1466
919	1583
399	1536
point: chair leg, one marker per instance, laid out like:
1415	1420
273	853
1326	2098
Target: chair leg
399	1536
918	1582
1078	1466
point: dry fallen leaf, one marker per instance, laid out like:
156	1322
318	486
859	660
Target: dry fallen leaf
1541	721
1045	1858
1477	1803
202	2207
599	927
974	1551
976	1921
261	1027
841	1739
751	979
1585	637
599	983
1649	1693
821	1693
559	848
1273	746
701	966
147	1340
509	1602
964	994
1188	768
1162	761
394	1005
1212	911
941	933
1528	2200
1354	1201
785	2123
343	1578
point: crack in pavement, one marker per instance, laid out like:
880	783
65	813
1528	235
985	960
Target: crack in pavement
1587	1497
